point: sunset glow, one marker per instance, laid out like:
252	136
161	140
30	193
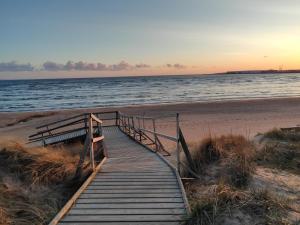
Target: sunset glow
149	38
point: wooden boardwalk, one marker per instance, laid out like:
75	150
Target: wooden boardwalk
134	187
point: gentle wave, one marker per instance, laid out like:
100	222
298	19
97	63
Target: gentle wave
38	95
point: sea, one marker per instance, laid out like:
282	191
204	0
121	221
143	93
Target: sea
53	94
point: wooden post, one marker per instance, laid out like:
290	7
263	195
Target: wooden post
132	120
86	123
144	120
177	143
91	142
128	120
117	118
139	129
155	137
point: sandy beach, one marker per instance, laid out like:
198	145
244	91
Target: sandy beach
197	120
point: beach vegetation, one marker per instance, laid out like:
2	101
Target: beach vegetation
35	182
281	150
225	205
230	155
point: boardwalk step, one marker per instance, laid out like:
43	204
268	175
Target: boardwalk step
176	211
121	223
123	218
128	200
131	195
133	187
137	191
129	206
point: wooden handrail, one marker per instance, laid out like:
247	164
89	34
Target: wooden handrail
160	134
73	117
126	122
96	118
59	121
58	127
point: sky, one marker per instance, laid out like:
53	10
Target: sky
73	38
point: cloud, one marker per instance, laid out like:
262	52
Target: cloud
142	65
120	66
176	66
15	67
83	66
79	66
52	66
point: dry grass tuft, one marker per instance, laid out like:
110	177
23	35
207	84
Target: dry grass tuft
225	205
38	165
35	182
232	154
283	135
4	219
280	150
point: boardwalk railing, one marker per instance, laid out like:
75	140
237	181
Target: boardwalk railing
92	138
141	128
70	128
134	126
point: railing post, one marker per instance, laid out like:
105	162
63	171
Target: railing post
132	120
144	120
128	123
117	118
139	129
91	142
86	123
155	137
177	143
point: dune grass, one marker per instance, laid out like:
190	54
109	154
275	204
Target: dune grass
35	182
283	135
226	165
232	154
281	150
225	205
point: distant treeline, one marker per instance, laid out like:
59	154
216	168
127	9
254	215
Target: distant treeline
262	71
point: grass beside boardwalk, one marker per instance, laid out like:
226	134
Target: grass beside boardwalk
226	205
226	193
35	182
281	150
229	158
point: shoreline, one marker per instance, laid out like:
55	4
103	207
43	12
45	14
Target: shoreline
198	120
150	105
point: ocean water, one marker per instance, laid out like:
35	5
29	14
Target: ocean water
39	95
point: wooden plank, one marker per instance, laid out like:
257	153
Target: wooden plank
69	204
122	223
137	205
164	180
108	176
120	187
123	191
142	183
130	195
130	200
175	211
122	218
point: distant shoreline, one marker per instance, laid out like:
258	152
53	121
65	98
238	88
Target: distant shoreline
262	71
158	75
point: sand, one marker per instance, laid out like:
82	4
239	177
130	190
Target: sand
197	120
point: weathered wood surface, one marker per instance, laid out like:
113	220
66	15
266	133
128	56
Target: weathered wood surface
134	186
